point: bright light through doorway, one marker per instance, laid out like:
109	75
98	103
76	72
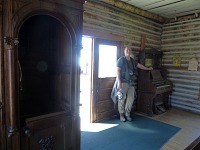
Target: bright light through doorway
85	79
107	56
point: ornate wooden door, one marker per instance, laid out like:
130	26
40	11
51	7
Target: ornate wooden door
42	42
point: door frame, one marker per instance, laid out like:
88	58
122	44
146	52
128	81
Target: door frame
2	115
2	122
94	72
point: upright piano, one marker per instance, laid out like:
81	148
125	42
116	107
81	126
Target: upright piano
153	87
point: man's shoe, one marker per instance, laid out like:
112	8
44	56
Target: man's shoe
128	118
122	118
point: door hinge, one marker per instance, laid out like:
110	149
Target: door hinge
1	105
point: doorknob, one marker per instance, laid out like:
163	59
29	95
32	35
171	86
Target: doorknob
28	132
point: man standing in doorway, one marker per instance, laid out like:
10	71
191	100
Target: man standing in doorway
125	81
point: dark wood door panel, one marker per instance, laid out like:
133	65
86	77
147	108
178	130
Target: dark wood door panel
106	115
105	83
105	94
51	131
107	105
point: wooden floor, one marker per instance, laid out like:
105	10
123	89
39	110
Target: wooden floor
189	124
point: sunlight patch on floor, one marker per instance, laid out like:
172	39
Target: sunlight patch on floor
96	127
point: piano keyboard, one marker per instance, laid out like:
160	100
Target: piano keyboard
163	89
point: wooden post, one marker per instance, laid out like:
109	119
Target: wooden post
13	142
143	42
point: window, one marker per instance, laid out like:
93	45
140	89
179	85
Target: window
107	60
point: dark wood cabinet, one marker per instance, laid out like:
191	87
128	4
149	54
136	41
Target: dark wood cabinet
40	49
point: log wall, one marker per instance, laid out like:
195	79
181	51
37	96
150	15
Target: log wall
107	21
183	38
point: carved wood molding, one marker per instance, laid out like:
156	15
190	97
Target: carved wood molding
12	130
10	42
47	143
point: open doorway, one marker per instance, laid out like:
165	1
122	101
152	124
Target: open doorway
85	79
98	65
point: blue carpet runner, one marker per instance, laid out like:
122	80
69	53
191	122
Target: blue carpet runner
140	134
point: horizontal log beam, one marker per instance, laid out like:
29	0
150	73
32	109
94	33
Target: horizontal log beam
135	10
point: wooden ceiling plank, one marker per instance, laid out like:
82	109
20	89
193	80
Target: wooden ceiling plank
181	13
135	3
176	6
144	3
167	8
184	13
162	4
181	10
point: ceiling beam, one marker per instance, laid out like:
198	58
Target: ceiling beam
135	10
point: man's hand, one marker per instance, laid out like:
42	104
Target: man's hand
143	67
150	68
